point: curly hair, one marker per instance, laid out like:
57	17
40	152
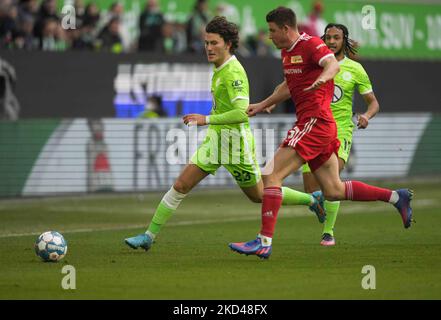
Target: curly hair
348	45
226	30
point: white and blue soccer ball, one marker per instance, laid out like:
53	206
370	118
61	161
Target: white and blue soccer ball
51	246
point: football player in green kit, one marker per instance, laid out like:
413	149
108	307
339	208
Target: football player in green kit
228	120
351	77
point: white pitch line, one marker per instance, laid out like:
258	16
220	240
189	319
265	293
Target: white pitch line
353	209
135	226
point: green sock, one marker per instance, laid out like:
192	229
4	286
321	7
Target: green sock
168	205
331	208
162	214
293	197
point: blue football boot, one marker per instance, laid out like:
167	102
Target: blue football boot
318	207
252	247
140	241
403	206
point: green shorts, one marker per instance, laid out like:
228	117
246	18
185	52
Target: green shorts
344	135
239	160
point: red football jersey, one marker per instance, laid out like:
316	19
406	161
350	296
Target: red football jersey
302	66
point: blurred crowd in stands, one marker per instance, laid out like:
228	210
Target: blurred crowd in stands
38	25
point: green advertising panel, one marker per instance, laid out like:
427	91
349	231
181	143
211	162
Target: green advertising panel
398	30
21	143
383	29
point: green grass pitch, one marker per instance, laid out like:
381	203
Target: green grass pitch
191	259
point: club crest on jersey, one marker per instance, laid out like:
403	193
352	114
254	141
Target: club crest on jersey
296	59
347	76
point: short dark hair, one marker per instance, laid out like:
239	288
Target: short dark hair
348	45
226	30
282	16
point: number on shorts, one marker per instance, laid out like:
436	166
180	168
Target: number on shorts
242	177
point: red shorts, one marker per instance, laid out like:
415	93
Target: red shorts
313	139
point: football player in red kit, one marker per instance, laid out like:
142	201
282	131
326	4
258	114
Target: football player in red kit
309	68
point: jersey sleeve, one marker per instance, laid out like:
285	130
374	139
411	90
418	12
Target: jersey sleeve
230	117
238	89
319	50
363	82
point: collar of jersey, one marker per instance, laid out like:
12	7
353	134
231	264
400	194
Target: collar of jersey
233	57
342	60
299	38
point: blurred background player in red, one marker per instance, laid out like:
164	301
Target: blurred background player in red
314	24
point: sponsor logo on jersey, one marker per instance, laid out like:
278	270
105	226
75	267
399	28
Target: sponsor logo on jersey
296	59
338	94
293	71
237	85
320	45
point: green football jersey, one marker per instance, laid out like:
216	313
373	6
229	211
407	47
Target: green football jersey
230	90
351	76
229	140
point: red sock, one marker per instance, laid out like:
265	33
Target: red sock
272	200
359	191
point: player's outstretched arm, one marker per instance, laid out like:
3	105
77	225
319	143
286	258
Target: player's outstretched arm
270	108
195	119
230	117
372	109
330	70
280	94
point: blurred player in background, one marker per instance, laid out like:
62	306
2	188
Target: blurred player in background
228	119
352	76
309	68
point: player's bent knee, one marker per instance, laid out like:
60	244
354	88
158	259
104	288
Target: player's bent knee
182	187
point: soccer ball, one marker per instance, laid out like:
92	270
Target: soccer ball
51	246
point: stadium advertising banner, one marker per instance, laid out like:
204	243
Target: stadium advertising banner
49	157
183	88
383	30
121	85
